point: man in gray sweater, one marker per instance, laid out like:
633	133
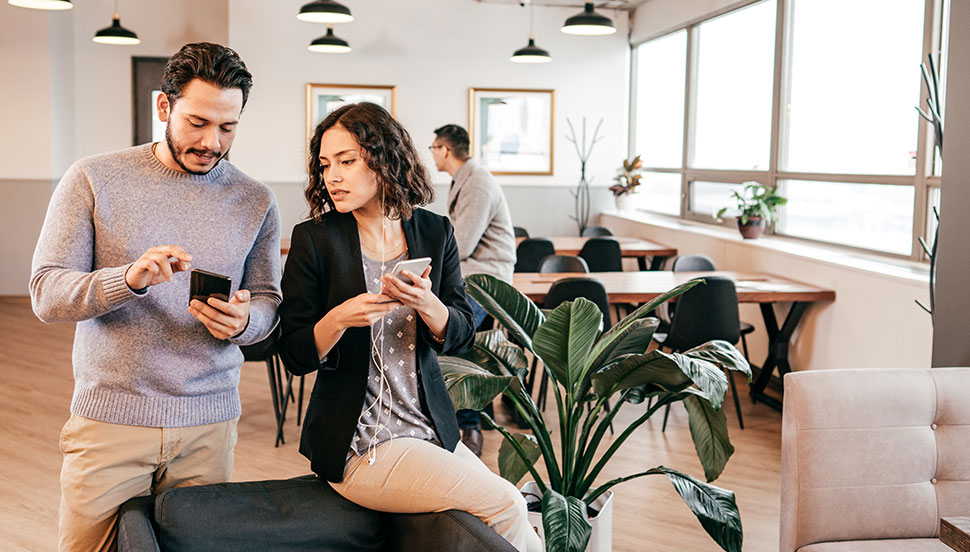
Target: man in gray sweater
156	377
483	230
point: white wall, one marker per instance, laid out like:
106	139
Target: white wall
64	97
433	51
873	322
72	97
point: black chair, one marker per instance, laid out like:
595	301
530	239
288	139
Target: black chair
595	231
705	312
520	232
569	289
530	253
703	263
602	255
267	351
563	263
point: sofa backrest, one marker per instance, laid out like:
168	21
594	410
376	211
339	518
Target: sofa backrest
873	454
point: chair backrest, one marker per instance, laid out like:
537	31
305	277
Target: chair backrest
530	253
568	289
706	311
594	231
602	255
520	232
693	263
563	263
872	454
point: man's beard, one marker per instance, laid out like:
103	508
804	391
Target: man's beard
178	152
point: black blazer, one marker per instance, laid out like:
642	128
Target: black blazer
323	269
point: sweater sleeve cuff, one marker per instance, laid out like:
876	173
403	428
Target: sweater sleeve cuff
262	320
116	290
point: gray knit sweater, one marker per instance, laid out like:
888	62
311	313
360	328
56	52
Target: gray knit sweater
143	359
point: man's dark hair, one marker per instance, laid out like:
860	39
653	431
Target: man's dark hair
387	149
212	63
456	138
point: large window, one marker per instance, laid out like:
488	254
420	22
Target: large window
735	65
852	83
836	129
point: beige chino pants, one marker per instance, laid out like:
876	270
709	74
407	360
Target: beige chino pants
106	464
411	476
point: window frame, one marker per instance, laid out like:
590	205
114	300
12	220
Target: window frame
922	181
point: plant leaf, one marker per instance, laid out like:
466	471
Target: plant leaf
653	368
634	339
714	507
616	331
520	316
469	385
708	429
510	463
510	354
722	354
565	522
564	340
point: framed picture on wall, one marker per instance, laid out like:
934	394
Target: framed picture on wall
321	99
511	130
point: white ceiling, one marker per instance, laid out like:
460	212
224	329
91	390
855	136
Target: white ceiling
578	4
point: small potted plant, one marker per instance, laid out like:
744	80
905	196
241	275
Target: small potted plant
627	179
757	207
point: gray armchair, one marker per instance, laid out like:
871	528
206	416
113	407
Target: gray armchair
288	515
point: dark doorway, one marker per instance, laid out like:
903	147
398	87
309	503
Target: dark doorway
146	77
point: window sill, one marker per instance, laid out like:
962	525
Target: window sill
868	263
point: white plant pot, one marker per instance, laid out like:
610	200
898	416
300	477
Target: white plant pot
624	203
600	540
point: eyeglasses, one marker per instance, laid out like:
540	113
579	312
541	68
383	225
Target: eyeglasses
433	147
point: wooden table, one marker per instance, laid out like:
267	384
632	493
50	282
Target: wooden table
955	533
629	247
752	287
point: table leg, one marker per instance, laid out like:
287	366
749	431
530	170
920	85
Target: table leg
656	262
778	340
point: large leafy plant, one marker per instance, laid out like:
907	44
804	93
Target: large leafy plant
587	368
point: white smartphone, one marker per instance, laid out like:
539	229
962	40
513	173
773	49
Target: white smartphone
417	266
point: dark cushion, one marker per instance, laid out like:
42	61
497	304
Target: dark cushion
304	513
294	514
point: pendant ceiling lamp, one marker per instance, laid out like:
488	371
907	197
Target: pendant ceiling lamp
325	11
531	53
42	4
116	34
329	44
589	23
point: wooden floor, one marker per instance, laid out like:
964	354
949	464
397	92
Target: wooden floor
35	394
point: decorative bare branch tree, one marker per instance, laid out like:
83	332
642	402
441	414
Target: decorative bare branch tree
583	150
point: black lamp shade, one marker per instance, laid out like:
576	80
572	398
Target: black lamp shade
329	44
589	23
325	11
116	34
531	54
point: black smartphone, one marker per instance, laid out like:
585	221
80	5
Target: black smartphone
209	284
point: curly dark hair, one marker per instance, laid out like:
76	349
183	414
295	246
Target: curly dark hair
388	151
213	63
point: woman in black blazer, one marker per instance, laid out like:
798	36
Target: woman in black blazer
380	426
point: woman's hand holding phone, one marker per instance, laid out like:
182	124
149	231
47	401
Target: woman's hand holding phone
362	310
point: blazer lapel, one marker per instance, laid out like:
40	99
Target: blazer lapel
351	246
415	246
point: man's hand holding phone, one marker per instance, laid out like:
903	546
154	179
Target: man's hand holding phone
157	265
223	319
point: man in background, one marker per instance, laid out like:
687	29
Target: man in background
156	377
483	229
